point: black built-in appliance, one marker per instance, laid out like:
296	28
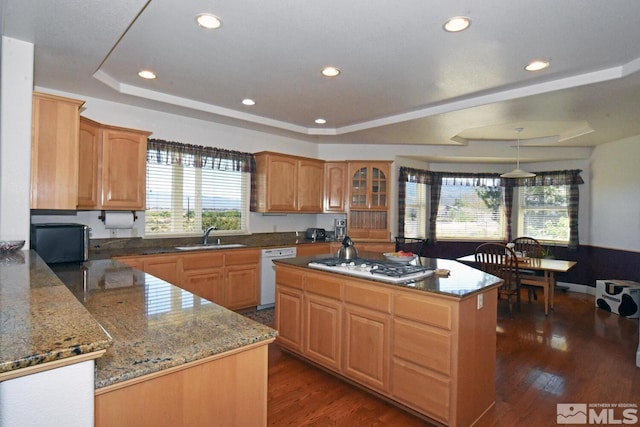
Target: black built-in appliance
60	242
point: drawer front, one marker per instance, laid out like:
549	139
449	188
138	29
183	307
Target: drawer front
422	390
242	256
323	285
368	296
422	345
432	311
285	276
201	261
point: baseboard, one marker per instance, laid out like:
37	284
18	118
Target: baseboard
574	287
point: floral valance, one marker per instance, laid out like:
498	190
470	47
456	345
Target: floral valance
172	153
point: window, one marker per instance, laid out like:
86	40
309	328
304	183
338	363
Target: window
415	210
471	209
183	199
544	213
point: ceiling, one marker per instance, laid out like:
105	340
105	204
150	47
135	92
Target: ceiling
404	80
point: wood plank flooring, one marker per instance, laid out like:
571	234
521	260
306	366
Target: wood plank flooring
577	354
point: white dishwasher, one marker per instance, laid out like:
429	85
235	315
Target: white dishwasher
268	274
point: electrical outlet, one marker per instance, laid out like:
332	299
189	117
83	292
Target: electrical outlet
480	300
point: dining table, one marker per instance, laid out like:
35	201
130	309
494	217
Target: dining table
548	266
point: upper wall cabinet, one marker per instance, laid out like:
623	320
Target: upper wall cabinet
112	167
288	183
369	200
54	152
335	186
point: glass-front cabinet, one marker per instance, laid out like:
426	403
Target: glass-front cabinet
369	200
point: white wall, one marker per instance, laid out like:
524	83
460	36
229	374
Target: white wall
604	205
15	138
61	397
615	200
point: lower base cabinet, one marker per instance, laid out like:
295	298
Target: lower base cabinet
207	283
366	347
228	278
225	390
431	353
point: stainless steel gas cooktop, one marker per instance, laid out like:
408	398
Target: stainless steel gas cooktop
386	271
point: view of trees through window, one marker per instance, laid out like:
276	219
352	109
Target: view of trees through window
470	212
544	213
188	200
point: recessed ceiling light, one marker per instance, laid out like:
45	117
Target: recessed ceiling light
248	101
147	74
320	121
330	71
208	21
537	65
457	23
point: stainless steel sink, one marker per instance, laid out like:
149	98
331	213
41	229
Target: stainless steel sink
201	247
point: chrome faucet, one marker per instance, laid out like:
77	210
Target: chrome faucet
205	238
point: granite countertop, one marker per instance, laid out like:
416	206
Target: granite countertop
40	320
463	281
109	248
154	324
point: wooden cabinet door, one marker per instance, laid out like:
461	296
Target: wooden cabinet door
335	186
366	347
369	185
288	319
323	330
54	152
368	200
277	182
309	185
124	155
242	289
323	319
207	283
166	268
88	164
288	183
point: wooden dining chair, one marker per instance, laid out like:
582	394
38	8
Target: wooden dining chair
410	244
531	280
500	260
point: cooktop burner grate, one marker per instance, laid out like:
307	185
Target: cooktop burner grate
374	269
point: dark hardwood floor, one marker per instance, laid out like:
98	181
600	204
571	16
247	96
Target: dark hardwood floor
577	354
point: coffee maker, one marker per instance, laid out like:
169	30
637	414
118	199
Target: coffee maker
340	228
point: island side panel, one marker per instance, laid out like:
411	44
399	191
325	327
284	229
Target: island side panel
476	357
228	390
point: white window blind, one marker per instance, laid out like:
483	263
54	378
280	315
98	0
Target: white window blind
470	212
415	210
544	213
185	200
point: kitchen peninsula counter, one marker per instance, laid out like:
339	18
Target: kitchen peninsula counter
166	354
154	325
428	346
42	325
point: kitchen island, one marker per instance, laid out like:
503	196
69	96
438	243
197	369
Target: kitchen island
427	345
167	357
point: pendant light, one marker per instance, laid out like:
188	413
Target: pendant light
517	172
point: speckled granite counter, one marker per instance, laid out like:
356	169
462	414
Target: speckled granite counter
40	320
154	324
109	248
462	282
